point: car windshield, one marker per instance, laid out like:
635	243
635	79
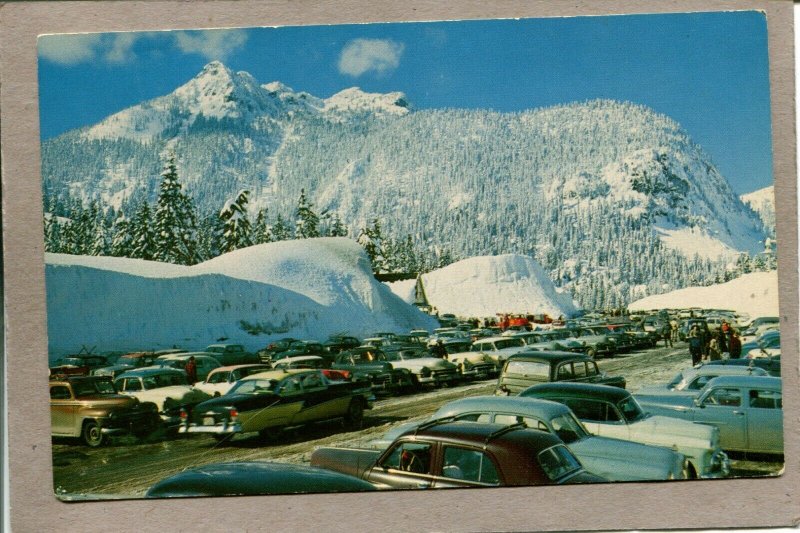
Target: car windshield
568	428
677	380
529	368
631	409
88	388
368	356
254	386
508	343
558	462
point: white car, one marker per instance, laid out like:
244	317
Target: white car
221	379
499	348
692	381
204	363
428	370
165	387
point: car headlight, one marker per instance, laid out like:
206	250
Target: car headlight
425	371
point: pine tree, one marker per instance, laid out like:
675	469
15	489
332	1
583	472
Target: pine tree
52	234
175	220
306	220
337	227
121	243
143	238
235	224
371	239
262	231
280	231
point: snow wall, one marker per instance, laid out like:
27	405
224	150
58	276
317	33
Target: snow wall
305	289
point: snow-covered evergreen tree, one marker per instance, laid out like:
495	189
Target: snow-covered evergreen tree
280	230
122	241
262	230
175	220
371	239
337	227
143	238
306	220
236	229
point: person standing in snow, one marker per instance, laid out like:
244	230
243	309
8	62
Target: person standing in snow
666	332
735	345
191	371
695	345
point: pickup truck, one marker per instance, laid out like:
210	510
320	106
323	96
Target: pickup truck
90	408
447	454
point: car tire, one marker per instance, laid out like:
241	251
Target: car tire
591	352
355	414
92	435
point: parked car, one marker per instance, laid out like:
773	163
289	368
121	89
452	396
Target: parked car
89	408
471	365
166	387
427	370
220	380
767	345
529	368
444	454
614	412
269	401
771	364
340	343
610	458
124	363
748	410
77	365
312	361
268	352
250	478
370	364
298	348
499	348
204	363
231	354
691	381
596	344
550	341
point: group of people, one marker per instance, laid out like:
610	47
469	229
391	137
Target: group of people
707	345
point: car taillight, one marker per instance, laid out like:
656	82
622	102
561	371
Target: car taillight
233	414
184	415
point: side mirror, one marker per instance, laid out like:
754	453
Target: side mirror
698	403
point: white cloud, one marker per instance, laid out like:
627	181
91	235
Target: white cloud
213	44
364	55
69	49
121	49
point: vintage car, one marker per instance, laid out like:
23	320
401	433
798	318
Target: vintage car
220	380
446	454
124	363
596	344
268	352
548	341
90	408
231	354
204	363
370	364
269	401
427	370
472	365
691	381
499	348
610	458
748	410
166	387
312	361
339	343
250	478
766	345
80	364
612	412
771	364
532	367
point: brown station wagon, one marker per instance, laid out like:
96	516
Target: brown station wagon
90	408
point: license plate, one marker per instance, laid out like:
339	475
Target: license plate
208	421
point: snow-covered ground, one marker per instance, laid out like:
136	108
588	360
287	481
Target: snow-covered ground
305	289
755	294
487	285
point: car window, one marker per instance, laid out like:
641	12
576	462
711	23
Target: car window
579	369
630	409
699	382
59	392
591	368
567	428
765	399
254	386
409	457
529	368
596	411
219	377
724	396
558	462
469	465
509	343
516	419
312	381
290	386
564	372
133	384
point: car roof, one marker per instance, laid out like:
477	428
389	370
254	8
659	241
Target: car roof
509	404
493	339
480	434
589	390
548	356
150	371
236	367
745	381
277	374
720	369
184	355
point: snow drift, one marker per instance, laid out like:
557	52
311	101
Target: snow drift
305	289
487	285
755	294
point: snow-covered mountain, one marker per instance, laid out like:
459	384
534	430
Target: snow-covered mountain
305	289
755	294
762	202
606	188
485	286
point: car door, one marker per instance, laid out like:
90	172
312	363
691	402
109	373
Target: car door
723	407
319	400
62	411
406	465
765	421
466	467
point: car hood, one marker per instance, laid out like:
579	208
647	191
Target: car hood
182	394
472	357
663	430
682	401
433	363
620	460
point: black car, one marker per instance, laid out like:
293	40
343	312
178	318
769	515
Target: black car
340	343
525	369
771	364
367	363
249	478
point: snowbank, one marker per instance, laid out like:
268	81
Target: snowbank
487	285
304	289
755	294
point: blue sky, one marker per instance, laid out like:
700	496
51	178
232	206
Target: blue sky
708	71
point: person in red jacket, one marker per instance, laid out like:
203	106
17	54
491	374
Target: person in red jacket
191	370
